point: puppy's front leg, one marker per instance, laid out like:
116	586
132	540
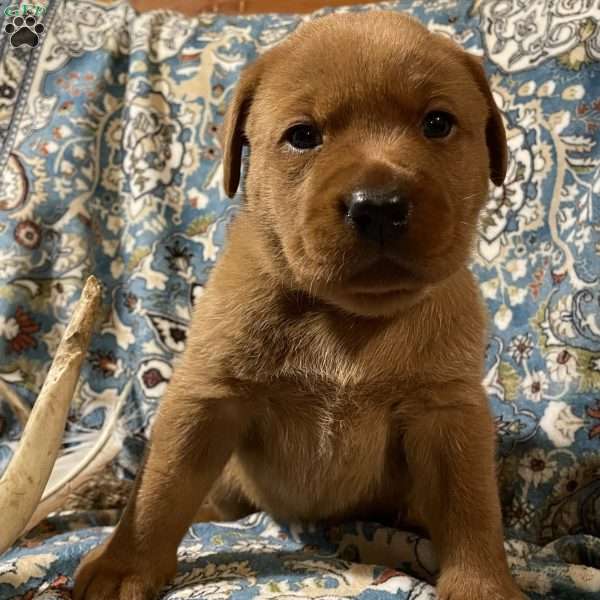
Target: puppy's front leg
450	449
196	430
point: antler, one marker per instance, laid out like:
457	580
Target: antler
24	480
21	410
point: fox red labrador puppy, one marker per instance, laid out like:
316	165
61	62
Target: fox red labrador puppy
334	365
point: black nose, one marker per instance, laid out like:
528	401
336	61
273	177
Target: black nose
380	216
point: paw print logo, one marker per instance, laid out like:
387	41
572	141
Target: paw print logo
24	31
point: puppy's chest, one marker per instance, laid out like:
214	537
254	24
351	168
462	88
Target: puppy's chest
329	441
330	420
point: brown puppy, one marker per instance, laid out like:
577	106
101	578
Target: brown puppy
334	366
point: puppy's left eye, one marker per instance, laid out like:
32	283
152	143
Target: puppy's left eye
303	137
438	124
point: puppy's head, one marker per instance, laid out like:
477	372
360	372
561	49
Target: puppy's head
371	144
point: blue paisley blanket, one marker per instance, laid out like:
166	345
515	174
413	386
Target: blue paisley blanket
109	164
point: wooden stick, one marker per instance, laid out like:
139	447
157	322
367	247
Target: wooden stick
24	480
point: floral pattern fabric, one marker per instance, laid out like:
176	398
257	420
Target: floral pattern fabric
109	164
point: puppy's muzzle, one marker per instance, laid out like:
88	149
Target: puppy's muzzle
380	216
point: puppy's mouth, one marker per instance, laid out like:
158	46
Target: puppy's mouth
384	277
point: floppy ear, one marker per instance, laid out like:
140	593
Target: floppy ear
494	133
233	138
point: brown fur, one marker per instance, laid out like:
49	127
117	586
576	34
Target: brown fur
323	377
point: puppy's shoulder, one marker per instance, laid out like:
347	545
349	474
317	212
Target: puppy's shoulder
241	318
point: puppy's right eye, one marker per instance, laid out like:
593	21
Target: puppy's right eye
303	137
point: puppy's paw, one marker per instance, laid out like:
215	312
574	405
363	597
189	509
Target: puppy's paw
108	575
464	585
